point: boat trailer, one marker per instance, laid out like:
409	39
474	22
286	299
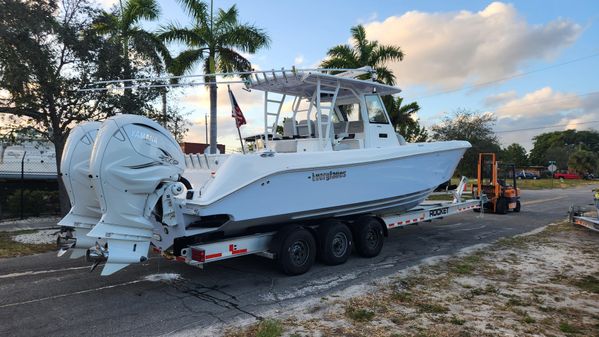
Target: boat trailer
260	244
582	215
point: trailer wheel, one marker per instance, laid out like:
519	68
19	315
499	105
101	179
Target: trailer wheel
368	235
517	208
335	242
297	251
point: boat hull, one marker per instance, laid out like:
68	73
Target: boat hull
389	185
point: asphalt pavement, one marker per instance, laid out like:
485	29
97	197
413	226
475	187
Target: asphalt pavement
43	295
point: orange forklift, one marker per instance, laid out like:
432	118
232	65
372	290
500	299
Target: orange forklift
502	197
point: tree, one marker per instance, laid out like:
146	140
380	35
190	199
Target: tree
139	48
516	154
404	121
474	127
216	42
47	53
569	140
364	53
583	162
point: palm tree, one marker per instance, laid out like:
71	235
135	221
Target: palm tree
216	43
370	53
402	119
364	53
122	28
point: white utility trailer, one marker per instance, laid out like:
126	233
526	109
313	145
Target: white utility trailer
262	243
580	215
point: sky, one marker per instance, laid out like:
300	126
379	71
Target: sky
533	64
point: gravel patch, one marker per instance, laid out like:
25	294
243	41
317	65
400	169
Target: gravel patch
46	236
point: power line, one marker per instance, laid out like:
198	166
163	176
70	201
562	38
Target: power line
501	79
546	127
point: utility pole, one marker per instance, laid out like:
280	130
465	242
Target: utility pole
206	126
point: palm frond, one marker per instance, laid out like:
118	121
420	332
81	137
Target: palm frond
337	63
341	56
136	10
384	75
244	37
148	47
154	45
106	23
196	9
386	53
359	35
172	32
186	60
230	61
227	18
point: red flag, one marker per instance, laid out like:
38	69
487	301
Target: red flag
236	110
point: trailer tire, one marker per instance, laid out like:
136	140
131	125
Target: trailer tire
368	236
335	242
297	250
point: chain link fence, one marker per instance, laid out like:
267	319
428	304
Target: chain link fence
28	185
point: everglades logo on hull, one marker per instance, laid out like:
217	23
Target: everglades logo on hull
330	175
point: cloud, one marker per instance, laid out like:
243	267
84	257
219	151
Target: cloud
450	49
107	3
373	16
299	59
519	119
201	97
500	98
542	102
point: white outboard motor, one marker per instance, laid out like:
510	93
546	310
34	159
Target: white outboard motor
132	158
85	208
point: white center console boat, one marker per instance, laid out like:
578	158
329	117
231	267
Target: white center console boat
328	167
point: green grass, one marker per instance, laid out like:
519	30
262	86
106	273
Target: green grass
358	314
540	184
10	248
402	296
588	283
528	320
456	321
269	328
462	268
567	328
433	308
440	197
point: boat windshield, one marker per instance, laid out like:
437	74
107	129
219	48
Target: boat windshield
376	111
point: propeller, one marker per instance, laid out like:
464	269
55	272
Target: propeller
64	243
97	255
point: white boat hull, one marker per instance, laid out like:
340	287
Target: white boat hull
377	186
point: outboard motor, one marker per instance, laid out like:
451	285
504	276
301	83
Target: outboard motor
85	208
134	161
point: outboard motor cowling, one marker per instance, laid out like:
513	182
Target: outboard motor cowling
133	156
85	208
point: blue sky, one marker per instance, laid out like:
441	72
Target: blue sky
549	49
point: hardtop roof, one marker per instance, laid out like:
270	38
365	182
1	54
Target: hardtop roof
304	84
